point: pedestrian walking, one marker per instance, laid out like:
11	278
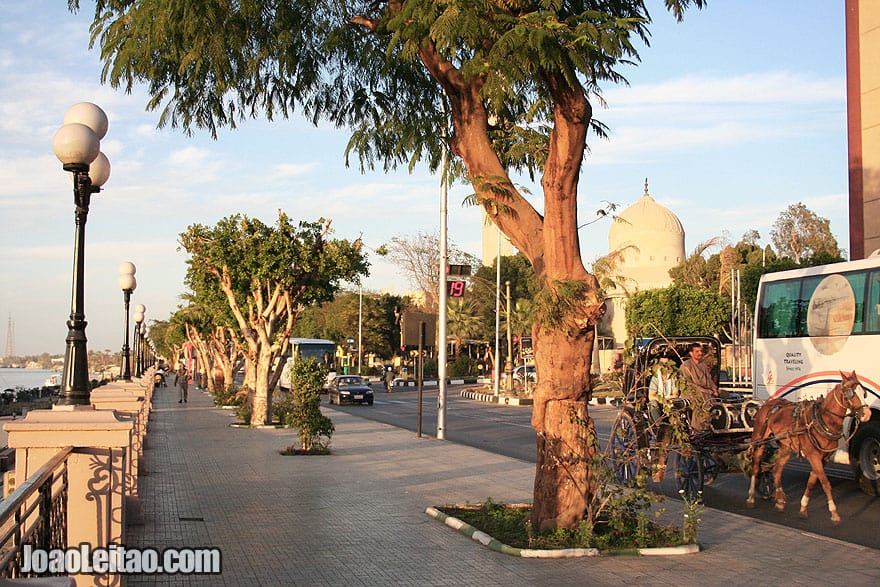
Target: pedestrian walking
182	383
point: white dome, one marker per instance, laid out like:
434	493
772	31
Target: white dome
651	239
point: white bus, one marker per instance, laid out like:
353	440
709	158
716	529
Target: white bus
322	350
813	323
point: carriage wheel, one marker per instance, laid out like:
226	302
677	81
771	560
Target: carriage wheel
710	469
689	473
623	447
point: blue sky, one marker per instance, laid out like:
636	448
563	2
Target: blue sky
732	115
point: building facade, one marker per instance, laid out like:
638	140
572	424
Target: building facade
863	121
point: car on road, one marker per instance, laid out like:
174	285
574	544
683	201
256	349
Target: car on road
349	389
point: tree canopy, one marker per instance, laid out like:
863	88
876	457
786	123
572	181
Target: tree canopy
800	233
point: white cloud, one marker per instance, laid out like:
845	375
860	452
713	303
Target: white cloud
757	88
289	170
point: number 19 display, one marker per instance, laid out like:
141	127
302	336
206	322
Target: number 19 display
456	288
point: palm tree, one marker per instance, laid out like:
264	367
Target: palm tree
462	321
521	317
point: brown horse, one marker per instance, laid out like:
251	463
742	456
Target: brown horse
811	430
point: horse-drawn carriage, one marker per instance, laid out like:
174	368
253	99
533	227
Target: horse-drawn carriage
743	434
697	458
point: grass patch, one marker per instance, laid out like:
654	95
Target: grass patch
510	525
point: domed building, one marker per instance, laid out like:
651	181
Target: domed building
647	240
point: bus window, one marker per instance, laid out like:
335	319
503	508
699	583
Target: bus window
778	313
874	303
808	287
857	282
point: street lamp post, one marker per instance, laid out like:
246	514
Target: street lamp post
138	338
497	366
360	324
77	145
508	363
128	284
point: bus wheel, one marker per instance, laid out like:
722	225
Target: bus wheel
865	457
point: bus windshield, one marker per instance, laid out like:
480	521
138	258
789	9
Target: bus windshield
322	350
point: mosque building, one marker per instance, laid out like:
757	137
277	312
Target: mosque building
646	240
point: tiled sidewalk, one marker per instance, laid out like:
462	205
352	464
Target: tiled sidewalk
357	517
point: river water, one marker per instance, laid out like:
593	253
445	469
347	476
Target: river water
25	378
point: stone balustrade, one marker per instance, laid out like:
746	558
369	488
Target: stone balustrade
108	438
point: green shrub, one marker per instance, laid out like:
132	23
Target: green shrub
307	376
461	367
430	369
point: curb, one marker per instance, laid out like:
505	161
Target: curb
434	383
507	400
504	400
498	546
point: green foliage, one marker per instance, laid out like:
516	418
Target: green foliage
230	396
677	311
266	274
462	322
307	376
482	292
625	528
430	369
211	63
555	306
693	510
249	253
462	366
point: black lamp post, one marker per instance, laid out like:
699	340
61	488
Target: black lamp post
77	145
128	284
138	339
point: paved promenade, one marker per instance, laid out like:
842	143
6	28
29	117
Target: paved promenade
357	517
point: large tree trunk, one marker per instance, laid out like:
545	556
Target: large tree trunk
262	414
564	484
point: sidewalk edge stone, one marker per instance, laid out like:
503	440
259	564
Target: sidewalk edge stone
493	544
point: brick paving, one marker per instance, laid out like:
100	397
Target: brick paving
357	517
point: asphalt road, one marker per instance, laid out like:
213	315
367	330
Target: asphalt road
507	430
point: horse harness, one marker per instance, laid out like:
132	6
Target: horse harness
812	409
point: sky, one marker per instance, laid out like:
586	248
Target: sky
732	115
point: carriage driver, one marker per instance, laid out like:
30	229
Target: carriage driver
700	387
700	374
663	395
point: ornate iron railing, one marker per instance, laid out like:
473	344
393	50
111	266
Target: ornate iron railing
35	514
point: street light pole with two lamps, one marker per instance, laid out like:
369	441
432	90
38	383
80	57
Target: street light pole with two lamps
138	338
128	283
77	145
